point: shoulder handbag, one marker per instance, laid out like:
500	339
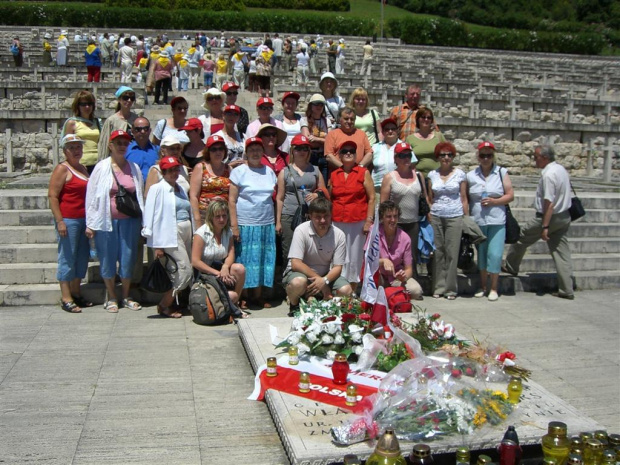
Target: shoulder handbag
301	213
156	279
576	209
126	202
423	207
513	230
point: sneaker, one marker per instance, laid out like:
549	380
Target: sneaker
480	293
493	296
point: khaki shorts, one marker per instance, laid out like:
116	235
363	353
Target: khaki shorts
288	277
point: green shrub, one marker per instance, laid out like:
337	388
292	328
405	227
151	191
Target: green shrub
424	31
320	5
69	14
199	5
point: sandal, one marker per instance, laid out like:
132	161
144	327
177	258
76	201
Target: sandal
70	307
131	304
436	296
242	304
111	306
167	313
451	297
81	301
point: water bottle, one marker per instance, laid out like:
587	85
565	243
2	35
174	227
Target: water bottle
485	195
304	193
93	249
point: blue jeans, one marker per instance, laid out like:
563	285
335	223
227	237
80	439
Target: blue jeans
490	251
208	78
119	245
73	251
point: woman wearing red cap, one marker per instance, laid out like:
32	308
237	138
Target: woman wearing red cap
353	207
168	230
192	152
232	137
290	195
448	196
264	108
252	220
210	178
116	233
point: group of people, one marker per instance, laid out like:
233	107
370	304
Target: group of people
287	197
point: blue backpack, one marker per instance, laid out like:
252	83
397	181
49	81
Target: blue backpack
14	49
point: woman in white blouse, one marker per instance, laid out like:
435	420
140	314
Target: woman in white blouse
213	251
448	196
168	231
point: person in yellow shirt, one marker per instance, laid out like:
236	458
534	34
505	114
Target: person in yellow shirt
221	71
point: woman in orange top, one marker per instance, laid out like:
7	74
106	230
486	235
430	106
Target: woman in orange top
353	198
209	180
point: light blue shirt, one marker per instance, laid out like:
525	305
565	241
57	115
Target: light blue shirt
255	201
492	184
447	195
382	161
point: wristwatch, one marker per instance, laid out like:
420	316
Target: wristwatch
545	227
326	281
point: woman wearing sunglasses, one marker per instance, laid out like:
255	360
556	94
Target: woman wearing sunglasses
85	125
353	207
424	140
122	120
448	197
213	120
490	190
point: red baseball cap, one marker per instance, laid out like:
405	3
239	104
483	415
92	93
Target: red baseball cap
347	143
387	121
402	147
299	141
215	139
169	162
192	123
234	108
120	133
253	140
264	101
486	145
229	86
286	95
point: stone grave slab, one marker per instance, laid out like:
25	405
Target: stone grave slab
304	425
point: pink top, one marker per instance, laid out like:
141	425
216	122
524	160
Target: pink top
208	65
124	177
399	253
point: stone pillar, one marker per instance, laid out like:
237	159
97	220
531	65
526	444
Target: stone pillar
9	151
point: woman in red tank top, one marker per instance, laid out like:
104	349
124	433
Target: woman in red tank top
67	198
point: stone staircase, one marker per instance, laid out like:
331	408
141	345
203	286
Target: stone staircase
28	246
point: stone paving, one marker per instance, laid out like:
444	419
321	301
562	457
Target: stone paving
136	388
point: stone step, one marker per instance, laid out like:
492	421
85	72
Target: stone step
583	245
39	273
543	263
600	230
49	294
27	234
27	217
592	216
23	199
29	253
590	200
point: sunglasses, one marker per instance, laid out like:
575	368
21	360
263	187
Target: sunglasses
129	97
347	152
211	99
141	128
446	154
427	117
302	148
389	129
269	134
232	93
265	107
317	104
403	155
486	155
218	148
85	104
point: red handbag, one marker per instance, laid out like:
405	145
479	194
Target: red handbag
398	299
